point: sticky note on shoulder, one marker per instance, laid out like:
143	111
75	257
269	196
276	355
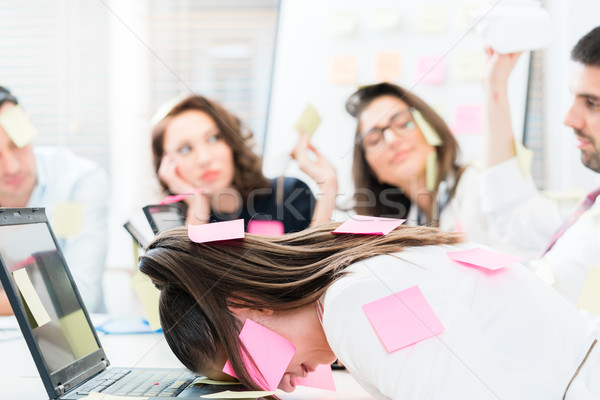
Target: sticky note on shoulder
18	126
367	225
488	259
589	299
309	121
403	319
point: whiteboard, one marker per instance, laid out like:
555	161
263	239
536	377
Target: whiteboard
313	35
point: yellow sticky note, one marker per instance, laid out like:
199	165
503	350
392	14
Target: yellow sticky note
31	297
386	19
148	295
343	70
524	158
468	65
78	334
470	14
105	396
431	171
387	66
589	299
432	19
228	394
342	23
545	273
68	218
309	121
431	136
18	126
206	381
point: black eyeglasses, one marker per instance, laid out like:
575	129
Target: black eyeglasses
400	125
7	96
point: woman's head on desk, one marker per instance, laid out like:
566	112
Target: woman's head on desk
199	144
208	291
397	135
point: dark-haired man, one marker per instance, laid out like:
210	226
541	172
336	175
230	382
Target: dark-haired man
568	238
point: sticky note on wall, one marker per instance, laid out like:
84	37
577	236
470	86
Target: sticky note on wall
343	70
431	70
468	119
342	23
18	126
388	66
432	19
68	219
468	66
385	19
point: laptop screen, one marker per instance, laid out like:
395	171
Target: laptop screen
59	324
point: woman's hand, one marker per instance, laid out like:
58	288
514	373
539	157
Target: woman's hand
169	174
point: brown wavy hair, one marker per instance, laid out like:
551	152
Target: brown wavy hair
248	174
365	181
198	282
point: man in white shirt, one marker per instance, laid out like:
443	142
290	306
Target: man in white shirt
568	239
62	182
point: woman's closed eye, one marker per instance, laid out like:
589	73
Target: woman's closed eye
185	149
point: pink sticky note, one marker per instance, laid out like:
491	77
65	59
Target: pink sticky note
468	119
365	225
227	230
265	228
321	378
343	70
483	258
403	319
271	352
430	70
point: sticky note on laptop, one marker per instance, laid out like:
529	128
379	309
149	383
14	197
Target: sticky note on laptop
403	319
18	126
31	298
309	121
367	225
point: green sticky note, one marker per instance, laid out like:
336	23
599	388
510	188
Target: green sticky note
431	136
18	126
524	158
30	297
309	121
431	171
68	219
589	299
149	296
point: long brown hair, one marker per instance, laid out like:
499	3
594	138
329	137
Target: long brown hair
198	282
365	181
247	165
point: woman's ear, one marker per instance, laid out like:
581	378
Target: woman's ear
245	309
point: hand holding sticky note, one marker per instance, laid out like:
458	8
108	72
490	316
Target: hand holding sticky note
403	319
309	121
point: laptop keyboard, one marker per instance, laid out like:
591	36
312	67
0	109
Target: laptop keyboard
149	383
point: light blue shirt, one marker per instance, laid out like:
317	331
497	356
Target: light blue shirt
63	176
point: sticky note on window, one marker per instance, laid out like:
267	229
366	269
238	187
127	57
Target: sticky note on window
271	353
321	378
342	23
388	66
479	257
468	119
149	296
230	394
432	19
468	66
68	219
265	228
30	297
216	231
309	121
589	299
430	70
385	19
343	70
403	319
18	126
367	225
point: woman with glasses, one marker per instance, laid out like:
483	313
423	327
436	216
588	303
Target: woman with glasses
405	164
201	149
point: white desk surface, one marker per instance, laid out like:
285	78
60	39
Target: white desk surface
19	378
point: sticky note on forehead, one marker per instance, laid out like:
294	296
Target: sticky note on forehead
309	121
17	126
431	136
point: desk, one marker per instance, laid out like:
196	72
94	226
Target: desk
20	381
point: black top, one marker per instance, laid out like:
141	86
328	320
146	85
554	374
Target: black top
295	210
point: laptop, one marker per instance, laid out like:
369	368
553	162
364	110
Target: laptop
162	217
56	325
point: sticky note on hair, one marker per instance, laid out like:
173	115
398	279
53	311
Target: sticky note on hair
68	219
271	353
18	126
216	231
482	258
367	225
403	319
31	298
321	378
309	121
265	228
430	134
589	299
